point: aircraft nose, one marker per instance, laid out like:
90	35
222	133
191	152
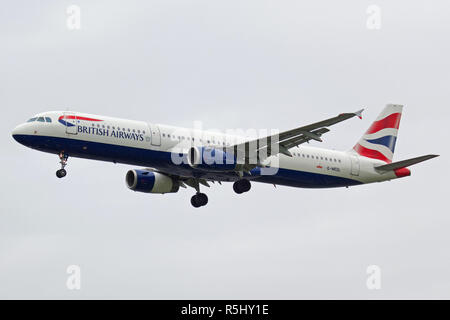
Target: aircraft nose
18	133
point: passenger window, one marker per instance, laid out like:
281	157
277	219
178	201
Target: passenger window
41	119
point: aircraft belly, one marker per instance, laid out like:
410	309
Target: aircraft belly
162	161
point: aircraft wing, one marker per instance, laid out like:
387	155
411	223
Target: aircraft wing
259	149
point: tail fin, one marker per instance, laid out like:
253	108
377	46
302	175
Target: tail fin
379	140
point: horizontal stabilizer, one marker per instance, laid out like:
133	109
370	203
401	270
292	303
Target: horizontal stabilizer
405	163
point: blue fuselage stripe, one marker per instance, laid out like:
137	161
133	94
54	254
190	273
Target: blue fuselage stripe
162	160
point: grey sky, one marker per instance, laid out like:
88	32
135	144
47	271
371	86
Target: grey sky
230	64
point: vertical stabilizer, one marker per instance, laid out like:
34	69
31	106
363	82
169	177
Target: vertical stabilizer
379	140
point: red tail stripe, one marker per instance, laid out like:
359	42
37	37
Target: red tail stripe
369	153
391	121
78	118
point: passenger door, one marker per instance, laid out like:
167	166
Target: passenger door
355	165
70	119
156	135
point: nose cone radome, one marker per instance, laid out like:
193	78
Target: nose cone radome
19	134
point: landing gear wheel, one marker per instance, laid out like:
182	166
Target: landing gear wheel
61	173
199	200
194	201
241	186
236	188
203	198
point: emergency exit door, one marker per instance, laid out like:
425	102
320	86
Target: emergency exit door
155	135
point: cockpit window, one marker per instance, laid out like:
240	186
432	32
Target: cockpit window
41	119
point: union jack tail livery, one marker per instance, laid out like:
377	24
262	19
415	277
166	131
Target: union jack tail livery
379	140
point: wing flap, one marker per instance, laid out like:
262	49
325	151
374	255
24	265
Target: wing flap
297	140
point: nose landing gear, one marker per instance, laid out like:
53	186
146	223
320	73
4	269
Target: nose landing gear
61	173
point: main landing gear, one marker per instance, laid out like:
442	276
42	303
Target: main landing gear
199	200
61	173
241	186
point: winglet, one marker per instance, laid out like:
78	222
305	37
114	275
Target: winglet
359	113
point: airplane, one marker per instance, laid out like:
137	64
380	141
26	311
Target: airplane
172	157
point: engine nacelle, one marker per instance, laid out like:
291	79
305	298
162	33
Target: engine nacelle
150	182
212	159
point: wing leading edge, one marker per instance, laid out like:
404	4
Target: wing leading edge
255	151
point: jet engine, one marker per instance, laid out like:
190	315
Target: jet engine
151	182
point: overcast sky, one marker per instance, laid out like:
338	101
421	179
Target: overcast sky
230	64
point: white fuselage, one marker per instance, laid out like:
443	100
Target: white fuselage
157	146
